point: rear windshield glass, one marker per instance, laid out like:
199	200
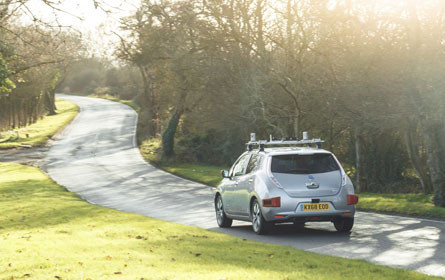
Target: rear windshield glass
304	164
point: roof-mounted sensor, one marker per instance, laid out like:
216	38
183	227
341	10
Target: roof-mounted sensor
291	141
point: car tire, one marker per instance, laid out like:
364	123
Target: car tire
344	224
259	224
221	217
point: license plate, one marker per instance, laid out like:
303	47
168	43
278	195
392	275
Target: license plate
315	207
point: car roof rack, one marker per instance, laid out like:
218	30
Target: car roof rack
282	141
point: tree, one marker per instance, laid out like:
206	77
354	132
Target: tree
425	49
364	75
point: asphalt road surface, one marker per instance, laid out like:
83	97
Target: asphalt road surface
97	157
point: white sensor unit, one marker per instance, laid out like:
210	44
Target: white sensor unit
283	141
252	137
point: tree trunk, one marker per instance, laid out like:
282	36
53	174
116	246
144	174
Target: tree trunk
289	35
50	102
259	16
296	123
147	125
168	137
14	114
418	165
361	184
436	160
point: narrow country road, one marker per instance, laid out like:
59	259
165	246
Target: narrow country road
97	157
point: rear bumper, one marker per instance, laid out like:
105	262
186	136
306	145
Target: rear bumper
284	217
288	213
292	209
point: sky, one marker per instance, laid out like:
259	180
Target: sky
95	24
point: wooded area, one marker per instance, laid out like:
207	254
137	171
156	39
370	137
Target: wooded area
366	76
33	60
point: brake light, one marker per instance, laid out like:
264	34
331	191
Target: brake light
352	199
272	202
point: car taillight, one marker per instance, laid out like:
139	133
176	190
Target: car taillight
352	199
272	202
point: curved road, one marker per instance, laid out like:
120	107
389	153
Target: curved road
96	156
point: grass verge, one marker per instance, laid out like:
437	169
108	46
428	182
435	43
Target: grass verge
405	204
207	174
195	172
39	132
47	232
130	103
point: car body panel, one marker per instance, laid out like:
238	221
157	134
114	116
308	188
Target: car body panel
308	185
241	194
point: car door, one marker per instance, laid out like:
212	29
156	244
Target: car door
230	184
239	177
246	185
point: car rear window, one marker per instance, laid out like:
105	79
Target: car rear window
304	164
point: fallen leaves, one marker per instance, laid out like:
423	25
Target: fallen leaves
200	236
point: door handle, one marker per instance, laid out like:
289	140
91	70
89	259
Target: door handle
250	180
236	183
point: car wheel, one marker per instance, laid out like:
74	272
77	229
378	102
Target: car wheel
259	224
344	224
221	217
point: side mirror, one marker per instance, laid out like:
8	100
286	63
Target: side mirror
225	173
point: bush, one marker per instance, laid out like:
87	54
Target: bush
211	147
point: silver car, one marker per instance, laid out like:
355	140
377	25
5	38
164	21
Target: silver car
286	184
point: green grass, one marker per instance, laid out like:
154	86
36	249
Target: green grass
151	150
49	233
130	103
43	129
408	204
203	173
195	172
